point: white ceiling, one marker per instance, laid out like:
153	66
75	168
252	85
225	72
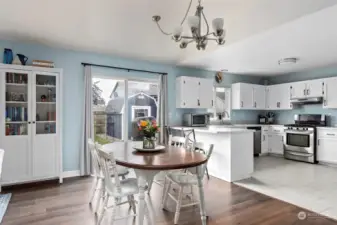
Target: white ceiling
311	39
124	28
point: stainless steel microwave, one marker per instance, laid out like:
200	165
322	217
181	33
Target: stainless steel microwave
195	120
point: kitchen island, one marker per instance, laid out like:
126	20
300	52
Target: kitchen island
232	157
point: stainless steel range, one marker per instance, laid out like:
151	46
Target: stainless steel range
300	137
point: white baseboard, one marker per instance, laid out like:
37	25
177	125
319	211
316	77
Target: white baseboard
72	173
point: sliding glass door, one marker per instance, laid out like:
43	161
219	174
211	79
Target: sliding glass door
119	104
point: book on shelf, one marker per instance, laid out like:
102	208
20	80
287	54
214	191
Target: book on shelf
43	63
16	113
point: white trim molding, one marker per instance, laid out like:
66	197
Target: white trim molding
71	173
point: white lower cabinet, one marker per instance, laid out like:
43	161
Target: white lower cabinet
327	145
275	142
30	125
264	140
327	150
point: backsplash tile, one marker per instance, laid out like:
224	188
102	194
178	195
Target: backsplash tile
287	116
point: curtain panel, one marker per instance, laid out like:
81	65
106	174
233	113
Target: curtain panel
87	125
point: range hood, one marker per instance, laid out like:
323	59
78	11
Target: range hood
315	100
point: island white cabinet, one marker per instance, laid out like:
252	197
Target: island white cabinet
330	93
194	92
248	96
30	123
305	89
326	145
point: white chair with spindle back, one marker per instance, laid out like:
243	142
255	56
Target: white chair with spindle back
2	154
98	183
117	189
184	180
172	141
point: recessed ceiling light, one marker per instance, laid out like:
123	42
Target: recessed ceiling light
287	61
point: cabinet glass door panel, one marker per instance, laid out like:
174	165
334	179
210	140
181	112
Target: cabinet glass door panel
45	109
16	98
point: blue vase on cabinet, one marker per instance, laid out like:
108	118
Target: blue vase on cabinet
8	56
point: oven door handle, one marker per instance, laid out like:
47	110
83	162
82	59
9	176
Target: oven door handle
299	154
298	132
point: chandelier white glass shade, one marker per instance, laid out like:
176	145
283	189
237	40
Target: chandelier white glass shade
194	23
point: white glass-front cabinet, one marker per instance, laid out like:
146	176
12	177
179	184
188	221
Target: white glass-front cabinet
30	123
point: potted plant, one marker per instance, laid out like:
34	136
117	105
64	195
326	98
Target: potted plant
148	130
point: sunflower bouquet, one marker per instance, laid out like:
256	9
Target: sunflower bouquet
148	129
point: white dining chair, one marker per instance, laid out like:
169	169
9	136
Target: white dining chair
176	141
2	154
184	180
98	182
117	189
191	141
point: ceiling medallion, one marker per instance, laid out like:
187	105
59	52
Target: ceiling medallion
194	22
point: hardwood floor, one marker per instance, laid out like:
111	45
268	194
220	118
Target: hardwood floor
228	204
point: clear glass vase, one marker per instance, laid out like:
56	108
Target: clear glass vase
149	142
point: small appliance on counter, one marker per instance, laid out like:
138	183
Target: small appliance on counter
196	120
269	118
262	119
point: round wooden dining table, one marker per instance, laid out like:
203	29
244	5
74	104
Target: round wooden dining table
147	164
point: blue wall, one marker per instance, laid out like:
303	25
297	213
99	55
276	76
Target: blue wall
287	116
73	81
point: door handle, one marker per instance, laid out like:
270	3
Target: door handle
198	102
330	134
304	92
264	137
308	91
325	102
318	142
255	104
212	102
241	103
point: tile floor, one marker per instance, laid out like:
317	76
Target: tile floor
313	187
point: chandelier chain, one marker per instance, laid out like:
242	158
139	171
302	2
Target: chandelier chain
188	10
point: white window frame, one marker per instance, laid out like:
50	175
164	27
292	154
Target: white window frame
124	112
135	107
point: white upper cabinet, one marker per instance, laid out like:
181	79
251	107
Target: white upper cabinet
242	96
315	88
330	92
273	96
259	96
298	90
284	96
305	89
205	93
248	96
194	92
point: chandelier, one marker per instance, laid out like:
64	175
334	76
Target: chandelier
194	23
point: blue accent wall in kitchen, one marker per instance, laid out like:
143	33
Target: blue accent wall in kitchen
73	82
287	116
